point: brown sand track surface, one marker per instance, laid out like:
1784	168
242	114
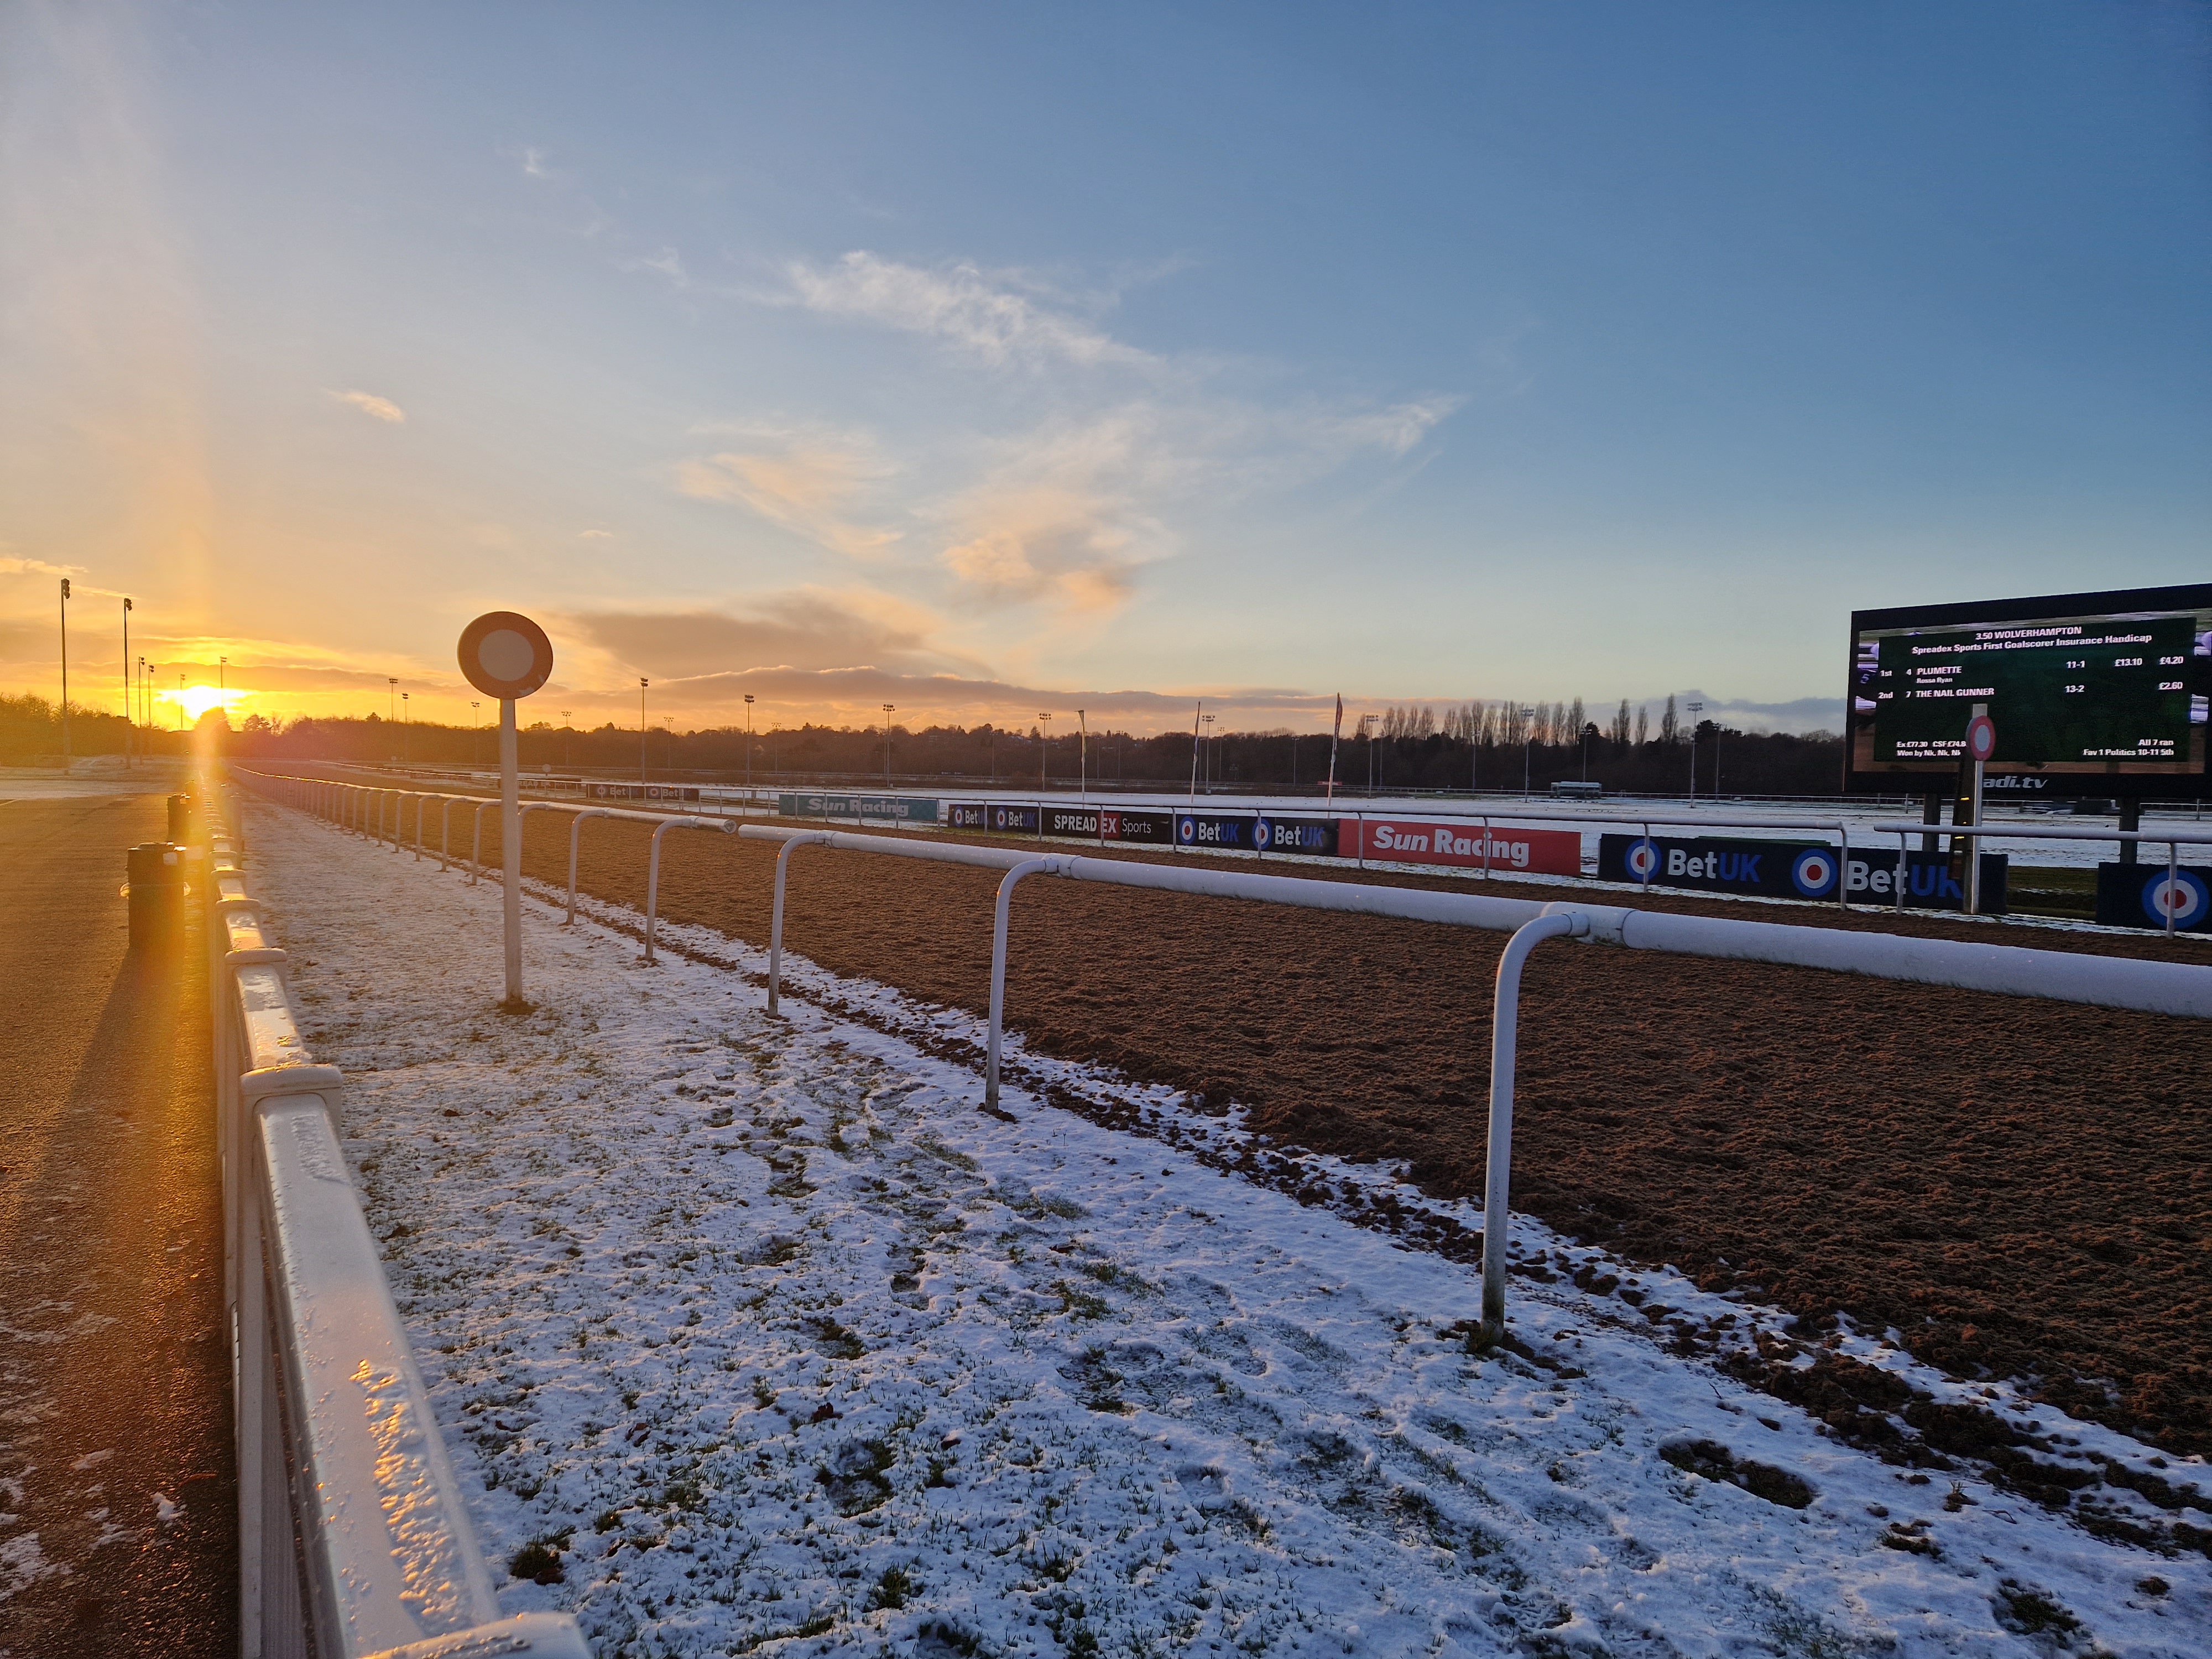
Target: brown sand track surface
2021	1188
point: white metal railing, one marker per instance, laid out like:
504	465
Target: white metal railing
354	1539
2163	987
347	805
2169	900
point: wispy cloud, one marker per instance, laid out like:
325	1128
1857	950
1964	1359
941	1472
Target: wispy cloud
376	408
810	482
13	567
994	315
808	630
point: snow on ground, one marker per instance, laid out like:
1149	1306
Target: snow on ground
767	1339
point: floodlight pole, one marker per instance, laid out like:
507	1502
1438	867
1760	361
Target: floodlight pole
1081	760
65	731
890	708
1527	750
640	732
749	745
1044	746
126	686
1696	709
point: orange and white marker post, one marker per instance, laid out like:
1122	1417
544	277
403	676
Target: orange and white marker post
506	655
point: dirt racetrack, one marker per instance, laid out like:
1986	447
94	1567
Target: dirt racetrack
2021	1189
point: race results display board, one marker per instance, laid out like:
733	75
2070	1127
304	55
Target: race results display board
2090	694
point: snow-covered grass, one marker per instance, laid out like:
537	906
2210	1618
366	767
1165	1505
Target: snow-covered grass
766	1338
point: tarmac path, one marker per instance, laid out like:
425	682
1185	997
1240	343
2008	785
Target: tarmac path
117	1493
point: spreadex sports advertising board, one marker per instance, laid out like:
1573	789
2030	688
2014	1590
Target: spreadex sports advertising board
2091	694
1781	869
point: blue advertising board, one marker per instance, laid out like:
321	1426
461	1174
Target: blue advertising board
1312	837
2138	895
1214	830
1781	869
967	814
1009	819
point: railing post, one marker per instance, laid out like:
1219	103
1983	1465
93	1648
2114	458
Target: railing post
999	973
1903	877
1498	1173
1844	868
775	915
475	847
445	833
575	841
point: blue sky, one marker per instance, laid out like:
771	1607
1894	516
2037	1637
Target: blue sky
988	359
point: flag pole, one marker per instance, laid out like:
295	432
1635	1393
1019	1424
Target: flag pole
1195	720
1335	732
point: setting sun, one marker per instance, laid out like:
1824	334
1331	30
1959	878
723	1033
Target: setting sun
197	700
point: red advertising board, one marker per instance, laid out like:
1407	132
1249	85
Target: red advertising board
1421	840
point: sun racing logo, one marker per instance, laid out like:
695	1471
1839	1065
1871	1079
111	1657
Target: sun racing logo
1813	872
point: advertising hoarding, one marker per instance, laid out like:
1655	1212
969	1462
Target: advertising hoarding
1310	837
2136	895
2091	694
639	792
1782	869
1462	846
899	809
1136	829
1214	830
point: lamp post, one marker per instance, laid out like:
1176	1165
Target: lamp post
1044	721
391	698
1527	749
890	708
641	729
565	731
222	674
1082	759
126	689
65	735
1696	709
181	703
749	745
1208	719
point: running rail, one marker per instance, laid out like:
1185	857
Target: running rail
2163	987
354	1540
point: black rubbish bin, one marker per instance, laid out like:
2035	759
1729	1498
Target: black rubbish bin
157	893
180	820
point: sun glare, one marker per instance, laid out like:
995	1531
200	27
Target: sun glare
197	700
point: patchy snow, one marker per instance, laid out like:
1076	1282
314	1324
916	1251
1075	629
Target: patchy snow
766	1336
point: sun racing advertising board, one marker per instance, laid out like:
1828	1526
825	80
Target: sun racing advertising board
2090	694
899	809
1782	869
1462	846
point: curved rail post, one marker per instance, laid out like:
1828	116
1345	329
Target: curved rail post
1504	1036
422	806
999	971
775	918
653	870
575	841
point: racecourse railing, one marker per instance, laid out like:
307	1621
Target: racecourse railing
2163	987
354	1539
2171	900
349	804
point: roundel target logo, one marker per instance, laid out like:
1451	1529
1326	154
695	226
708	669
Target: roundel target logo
1186	830
2187	896
1261	829
1643	859
1813	871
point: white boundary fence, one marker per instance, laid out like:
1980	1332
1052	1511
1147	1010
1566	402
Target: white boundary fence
2163	987
354	1540
348	805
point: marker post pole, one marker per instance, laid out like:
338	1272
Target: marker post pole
510	846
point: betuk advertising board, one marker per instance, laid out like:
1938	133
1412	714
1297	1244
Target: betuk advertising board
2138	895
1462	846
1783	869
639	792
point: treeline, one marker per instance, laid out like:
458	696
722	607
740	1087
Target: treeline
31	733
1487	746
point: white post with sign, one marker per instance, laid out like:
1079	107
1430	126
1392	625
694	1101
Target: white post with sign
506	655
1981	744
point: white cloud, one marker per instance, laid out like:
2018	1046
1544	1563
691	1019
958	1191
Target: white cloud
595	535
11	567
808	481
376	408
985	314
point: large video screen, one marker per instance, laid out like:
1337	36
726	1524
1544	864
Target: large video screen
2091	694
